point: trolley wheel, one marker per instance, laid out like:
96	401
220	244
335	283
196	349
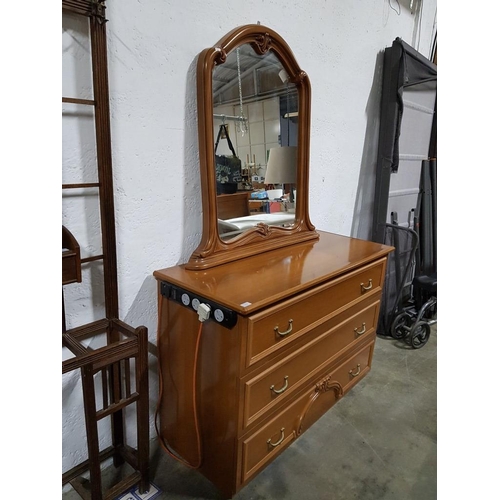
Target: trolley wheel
419	335
399	327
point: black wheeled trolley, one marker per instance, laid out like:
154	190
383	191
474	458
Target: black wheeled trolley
409	302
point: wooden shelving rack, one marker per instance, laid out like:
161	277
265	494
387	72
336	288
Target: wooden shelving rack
123	362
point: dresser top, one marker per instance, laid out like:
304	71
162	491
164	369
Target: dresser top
249	284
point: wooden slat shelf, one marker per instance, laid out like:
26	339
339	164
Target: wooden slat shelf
110	361
98	358
81	185
92	258
85	102
118	406
81	468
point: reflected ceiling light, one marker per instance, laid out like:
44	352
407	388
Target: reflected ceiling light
284	76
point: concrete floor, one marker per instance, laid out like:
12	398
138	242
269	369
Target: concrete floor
378	442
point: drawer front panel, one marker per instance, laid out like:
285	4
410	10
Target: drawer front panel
261	447
268	388
355	368
278	326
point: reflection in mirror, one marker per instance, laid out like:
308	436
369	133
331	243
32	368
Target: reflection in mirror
255	120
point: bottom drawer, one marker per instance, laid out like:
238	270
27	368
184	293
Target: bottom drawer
269	440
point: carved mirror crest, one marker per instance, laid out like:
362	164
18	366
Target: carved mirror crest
253	130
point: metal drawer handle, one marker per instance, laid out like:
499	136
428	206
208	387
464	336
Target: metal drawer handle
367	287
282	334
357	373
361	330
280	440
283	389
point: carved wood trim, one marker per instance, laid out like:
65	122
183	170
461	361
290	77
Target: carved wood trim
324	385
212	250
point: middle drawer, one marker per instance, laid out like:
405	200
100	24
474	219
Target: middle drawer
266	389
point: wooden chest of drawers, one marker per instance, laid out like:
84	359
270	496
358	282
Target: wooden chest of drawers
304	320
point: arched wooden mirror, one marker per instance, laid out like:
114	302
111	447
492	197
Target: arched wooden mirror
253	128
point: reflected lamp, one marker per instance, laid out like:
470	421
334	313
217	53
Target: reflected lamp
282	166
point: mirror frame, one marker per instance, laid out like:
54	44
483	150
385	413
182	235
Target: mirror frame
212	250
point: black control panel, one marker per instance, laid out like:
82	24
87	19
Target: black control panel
224	316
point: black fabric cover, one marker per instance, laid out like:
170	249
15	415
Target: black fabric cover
412	69
403	67
227	168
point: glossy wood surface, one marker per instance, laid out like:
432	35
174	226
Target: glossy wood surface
261	280
255	450
264	341
305	310
256	389
216	385
303	362
219	402
212	250
331	288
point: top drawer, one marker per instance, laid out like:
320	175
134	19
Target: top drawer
277	326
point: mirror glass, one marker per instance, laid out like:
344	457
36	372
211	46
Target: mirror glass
255	121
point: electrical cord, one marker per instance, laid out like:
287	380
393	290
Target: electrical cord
398	12
163	442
